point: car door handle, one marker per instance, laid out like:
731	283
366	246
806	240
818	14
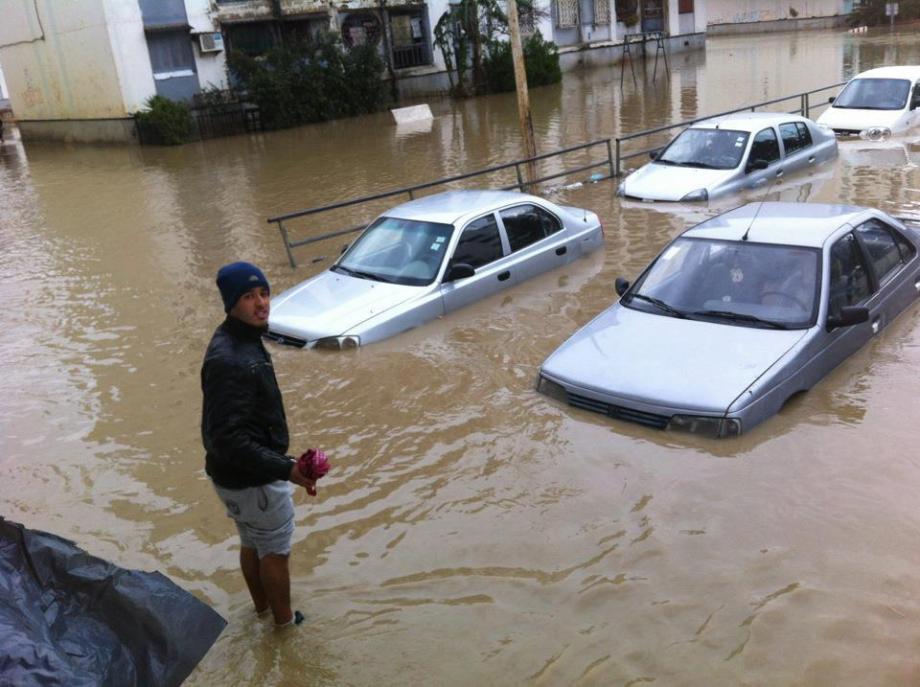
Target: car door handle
504	276
811	160
779	174
561	250
875	326
917	283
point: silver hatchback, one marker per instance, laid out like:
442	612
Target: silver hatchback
737	315
729	154
429	257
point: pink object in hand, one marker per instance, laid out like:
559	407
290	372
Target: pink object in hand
313	464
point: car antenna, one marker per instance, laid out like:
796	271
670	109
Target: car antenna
759	206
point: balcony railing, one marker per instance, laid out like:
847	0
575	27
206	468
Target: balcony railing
410	56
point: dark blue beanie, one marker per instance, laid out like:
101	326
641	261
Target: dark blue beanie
237	278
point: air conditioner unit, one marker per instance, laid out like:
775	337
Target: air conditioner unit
210	42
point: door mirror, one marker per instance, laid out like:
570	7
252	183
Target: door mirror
654	154
849	315
621	285
459	270
757	164
830	101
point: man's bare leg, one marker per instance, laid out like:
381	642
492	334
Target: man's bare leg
249	563
276	586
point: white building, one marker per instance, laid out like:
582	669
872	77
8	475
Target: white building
76	70
744	16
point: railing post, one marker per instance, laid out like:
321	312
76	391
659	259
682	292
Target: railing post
610	159
617	171
517	170
287	244
411	195
807	105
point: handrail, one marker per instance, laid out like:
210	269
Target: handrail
410	190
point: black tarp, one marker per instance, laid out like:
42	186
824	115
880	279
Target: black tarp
69	618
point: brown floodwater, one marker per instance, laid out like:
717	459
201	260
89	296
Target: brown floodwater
471	531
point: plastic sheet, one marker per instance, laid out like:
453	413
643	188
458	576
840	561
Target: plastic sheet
69	618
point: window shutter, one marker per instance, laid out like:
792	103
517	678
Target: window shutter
566	13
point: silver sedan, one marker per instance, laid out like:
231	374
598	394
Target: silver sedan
728	154
738	314
429	257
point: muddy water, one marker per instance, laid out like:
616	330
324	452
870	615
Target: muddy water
471	532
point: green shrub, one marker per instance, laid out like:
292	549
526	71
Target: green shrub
311	82
164	122
541	62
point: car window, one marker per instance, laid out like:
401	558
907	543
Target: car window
874	94
792	138
804	134
881	246
915	100
480	242
527	224
905	247
765	146
849	279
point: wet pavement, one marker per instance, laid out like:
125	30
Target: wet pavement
471	531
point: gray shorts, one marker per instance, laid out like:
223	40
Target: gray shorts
264	516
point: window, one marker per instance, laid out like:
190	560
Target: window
905	247
883	251
601	12
795	136
566	13
915	99
527	224
480	243
765	146
849	278
410	42
171	53
804	134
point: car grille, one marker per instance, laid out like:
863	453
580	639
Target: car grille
618	412
847	132
285	339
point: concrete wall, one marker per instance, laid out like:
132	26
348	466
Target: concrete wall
748	11
4	93
125	27
211	67
58	60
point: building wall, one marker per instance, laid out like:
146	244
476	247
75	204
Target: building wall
747	11
4	93
125	28
59	61
211	67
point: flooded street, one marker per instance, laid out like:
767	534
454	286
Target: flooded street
471	531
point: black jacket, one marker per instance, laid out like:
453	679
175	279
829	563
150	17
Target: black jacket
243	426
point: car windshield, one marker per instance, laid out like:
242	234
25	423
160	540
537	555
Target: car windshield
734	282
706	148
399	251
874	94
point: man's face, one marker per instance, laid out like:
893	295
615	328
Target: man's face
252	307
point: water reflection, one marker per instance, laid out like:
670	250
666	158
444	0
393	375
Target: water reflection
471	530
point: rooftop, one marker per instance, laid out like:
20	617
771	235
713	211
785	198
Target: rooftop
450	207
911	72
748	121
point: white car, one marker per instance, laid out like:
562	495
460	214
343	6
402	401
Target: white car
728	154
429	257
877	104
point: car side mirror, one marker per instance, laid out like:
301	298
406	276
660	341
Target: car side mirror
459	270
654	154
621	285
757	164
849	315
830	101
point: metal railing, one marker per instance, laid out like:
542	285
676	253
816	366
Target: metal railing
804	109
411	191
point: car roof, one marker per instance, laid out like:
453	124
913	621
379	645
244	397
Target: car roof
900	72
748	121
795	224
451	207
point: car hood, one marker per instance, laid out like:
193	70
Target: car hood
331	304
665	361
667	182
857	120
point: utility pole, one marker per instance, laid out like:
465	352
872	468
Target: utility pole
523	97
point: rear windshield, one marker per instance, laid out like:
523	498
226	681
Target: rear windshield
874	94
706	149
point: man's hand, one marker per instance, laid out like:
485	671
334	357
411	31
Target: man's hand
297	477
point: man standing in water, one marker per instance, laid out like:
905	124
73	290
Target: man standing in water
245	435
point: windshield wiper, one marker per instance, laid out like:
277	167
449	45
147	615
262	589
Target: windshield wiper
361	274
660	304
739	317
